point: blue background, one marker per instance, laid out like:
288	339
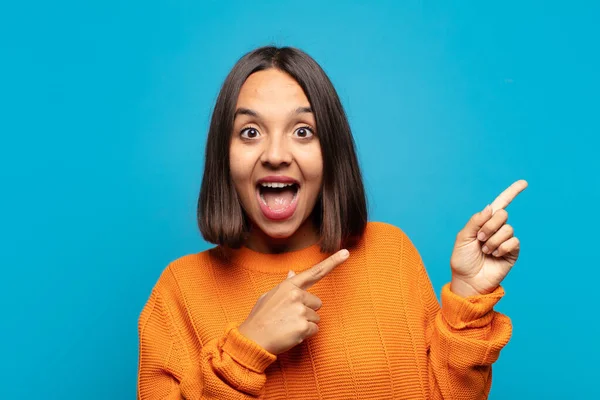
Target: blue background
104	109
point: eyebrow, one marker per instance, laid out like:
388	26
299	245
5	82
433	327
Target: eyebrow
245	111
252	113
303	110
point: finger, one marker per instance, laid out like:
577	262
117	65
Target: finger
312	301
491	226
310	330
312	316
506	197
469	232
306	279
290	274
503	234
510	247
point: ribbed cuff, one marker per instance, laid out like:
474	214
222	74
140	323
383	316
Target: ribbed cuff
246	352
469	312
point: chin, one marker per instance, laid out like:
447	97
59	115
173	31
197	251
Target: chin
279	230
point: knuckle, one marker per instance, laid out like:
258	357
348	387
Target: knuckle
514	244
309	329
317	270
509	229
304	328
300	310
295	295
507	246
319	303
502	213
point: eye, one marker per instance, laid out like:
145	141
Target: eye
249	133
304	132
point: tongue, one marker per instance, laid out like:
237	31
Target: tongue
278	199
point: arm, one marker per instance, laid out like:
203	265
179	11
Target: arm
230	367
464	338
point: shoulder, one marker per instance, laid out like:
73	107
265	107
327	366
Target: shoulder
192	262
375	228
184	278
194	267
382	232
386	237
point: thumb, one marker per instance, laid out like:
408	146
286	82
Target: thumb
290	274
472	227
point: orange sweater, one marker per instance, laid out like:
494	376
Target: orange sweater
382	333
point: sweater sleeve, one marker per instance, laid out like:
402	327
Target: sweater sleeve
230	367
464	337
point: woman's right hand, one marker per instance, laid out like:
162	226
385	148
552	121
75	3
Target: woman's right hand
287	315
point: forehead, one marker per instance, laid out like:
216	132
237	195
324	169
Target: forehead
271	88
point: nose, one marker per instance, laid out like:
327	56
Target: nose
277	152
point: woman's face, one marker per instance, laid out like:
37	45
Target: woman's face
275	160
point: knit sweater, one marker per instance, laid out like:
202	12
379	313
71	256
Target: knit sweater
382	334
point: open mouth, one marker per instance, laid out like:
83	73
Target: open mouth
277	199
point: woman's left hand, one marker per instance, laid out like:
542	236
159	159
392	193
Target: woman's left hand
486	248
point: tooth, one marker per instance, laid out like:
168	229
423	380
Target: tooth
276	184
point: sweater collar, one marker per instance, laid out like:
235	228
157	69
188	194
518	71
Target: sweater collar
297	261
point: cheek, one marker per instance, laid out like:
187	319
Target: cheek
236	168
240	167
314	173
312	167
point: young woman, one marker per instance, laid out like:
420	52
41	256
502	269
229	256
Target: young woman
302	298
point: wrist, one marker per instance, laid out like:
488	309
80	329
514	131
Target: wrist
246	352
462	288
249	334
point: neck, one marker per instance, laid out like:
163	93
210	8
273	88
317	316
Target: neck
305	236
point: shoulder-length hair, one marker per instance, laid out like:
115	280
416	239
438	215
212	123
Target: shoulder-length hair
341	210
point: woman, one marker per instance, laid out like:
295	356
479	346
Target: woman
302	298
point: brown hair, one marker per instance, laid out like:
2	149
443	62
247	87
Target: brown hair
341	210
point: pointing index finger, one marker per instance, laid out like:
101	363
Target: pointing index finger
506	197
308	278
